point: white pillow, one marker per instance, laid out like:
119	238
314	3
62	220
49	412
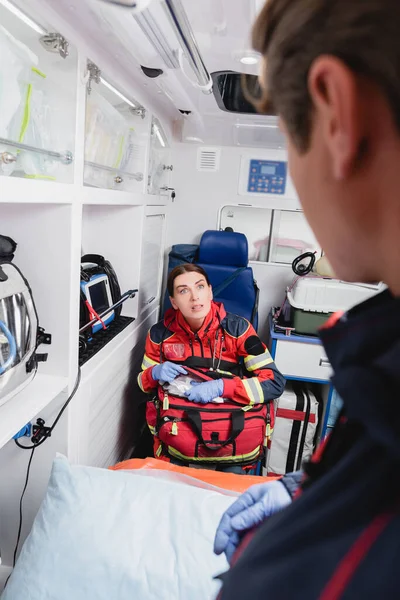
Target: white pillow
118	535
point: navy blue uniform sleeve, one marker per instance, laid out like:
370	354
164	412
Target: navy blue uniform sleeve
292	482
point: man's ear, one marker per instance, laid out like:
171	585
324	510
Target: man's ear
173	303
335	94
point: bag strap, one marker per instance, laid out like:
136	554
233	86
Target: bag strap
97	259
237	417
224	284
255	307
305	426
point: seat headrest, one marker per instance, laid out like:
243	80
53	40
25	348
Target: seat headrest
224	248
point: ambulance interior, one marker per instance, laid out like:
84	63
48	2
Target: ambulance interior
131	135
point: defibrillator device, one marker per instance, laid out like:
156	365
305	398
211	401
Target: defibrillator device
100	291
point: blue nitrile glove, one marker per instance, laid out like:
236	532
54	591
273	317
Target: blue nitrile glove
167	372
206	391
250	509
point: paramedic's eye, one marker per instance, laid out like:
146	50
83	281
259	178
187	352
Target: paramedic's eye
201	286
183	291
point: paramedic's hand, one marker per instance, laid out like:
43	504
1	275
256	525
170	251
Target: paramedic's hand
206	391
167	372
250	509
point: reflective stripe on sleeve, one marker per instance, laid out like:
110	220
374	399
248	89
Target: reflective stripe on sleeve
252	363
254	390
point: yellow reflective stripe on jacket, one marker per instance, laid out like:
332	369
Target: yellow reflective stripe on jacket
216	459
223	372
252	363
253	390
152	429
139	380
148	362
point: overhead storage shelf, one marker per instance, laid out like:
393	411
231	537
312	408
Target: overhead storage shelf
18	411
19	190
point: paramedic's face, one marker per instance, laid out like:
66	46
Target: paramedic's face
192	296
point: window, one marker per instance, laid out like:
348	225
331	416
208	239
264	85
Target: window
291	236
277	236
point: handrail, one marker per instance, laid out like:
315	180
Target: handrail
66	158
137	176
185	35
184	32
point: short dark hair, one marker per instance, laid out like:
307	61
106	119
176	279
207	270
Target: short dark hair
292	34
180	270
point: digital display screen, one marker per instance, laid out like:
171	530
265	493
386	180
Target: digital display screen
268	170
98	297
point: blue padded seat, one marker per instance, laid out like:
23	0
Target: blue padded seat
222	254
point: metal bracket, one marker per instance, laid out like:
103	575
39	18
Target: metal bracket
55	42
138	112
168	167
7	158
94	75
43	337
118	179
67	158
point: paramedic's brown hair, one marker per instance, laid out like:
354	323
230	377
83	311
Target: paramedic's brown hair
291	34
180	270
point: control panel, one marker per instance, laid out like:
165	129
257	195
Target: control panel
267	177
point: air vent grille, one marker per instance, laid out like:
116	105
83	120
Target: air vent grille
208	159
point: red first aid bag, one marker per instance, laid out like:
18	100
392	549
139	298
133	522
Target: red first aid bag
222	432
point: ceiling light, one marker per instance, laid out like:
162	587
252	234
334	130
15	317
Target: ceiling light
118	93
23	17
249	60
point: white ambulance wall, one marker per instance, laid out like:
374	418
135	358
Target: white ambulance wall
13	467
200	196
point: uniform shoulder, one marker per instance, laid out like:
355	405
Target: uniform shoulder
235	325
159	332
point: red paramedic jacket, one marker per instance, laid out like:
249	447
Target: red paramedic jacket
225	343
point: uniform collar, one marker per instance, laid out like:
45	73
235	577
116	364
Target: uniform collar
363	348
363	333
175	321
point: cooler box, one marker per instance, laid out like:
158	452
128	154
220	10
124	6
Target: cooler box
314	299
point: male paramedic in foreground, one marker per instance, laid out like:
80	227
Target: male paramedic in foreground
331	69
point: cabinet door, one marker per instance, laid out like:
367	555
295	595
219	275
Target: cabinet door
159	161
116	139
304	361
152	261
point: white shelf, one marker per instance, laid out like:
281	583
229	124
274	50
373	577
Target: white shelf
19	190
105	353
18	411
93	195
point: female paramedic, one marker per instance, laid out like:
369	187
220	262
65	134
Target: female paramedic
199	334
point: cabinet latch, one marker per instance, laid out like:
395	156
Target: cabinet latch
140	111
55	42
94	75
